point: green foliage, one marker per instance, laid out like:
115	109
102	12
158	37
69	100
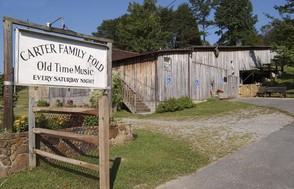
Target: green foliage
173	105
57	122
148	27
41	121
201	10
42	103
186	28
280	34
94	97
58	103
236	22
91	121
117	96
137	168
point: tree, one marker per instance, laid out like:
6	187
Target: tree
280	34
186	29
236	22
201	10
108	29
138	31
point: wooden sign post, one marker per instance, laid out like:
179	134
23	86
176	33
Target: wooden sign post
104	142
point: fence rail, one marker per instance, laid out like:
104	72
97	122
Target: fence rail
66	135
67	160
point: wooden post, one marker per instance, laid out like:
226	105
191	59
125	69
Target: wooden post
104	142
32	136
8	77
109	77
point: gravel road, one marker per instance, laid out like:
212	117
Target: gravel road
220	135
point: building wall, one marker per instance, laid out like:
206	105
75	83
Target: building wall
139	74
173	77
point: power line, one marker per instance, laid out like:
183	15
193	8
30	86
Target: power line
170	3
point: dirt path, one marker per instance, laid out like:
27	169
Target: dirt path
220	135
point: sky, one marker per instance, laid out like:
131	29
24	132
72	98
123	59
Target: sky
84	16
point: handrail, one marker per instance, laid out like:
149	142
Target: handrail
129	96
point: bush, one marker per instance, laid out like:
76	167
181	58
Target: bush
90	121
42	103
173	105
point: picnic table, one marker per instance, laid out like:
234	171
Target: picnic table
268	90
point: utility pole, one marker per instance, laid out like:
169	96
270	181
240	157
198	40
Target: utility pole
8	77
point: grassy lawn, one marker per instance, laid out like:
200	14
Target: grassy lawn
146	162
208	108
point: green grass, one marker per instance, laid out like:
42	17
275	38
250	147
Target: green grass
22	103
208	108
144	163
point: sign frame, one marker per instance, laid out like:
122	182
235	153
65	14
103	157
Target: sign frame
58	61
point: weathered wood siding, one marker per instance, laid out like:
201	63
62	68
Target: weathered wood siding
139	74
173	77
210	73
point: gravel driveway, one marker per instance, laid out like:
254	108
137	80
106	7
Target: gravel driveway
220	135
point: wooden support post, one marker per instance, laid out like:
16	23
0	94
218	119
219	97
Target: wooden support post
109	77
8	77
32	136
104	120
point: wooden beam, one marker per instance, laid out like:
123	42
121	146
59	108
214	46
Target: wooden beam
84	111
104	120
32	136
56	30
67	160
8	77
68	135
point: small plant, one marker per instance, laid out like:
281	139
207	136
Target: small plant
173	105
57	122
21	124
41	121
58	103
90	121
69	103
42	103
94	97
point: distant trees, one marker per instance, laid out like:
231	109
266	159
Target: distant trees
148	28
279	33
236	22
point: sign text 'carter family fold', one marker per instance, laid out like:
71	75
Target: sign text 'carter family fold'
50	60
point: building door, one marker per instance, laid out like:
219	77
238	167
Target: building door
233	86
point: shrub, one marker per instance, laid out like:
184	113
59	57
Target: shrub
90	121
173	105
42	103
58	103
57	122
94	97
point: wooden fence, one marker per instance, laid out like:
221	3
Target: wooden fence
102	140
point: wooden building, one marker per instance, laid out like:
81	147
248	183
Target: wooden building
198	73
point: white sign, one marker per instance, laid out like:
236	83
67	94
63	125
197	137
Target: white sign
50	60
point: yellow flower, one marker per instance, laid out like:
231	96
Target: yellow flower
16	124
17	121
23	117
